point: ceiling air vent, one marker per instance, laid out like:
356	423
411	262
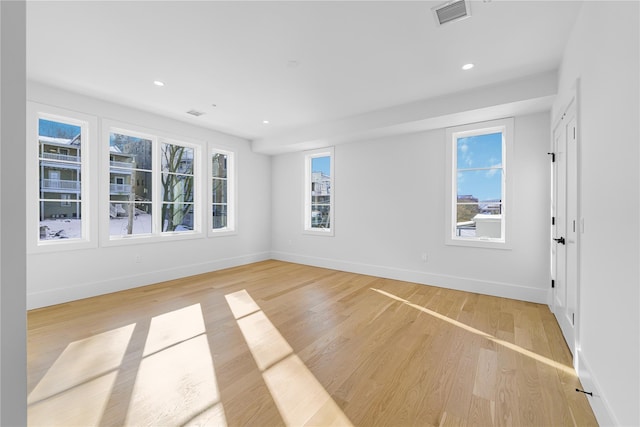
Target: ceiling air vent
195	113
452	11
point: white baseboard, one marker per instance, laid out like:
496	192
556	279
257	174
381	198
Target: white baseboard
598	401
499	289
101	287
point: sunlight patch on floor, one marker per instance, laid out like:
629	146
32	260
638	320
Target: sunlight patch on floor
468	328
299	396
176	374
265	342
174	327
77	386
241	304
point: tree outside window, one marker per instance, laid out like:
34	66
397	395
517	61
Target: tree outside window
177	181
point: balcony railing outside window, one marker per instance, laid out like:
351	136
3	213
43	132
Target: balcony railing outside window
120	188
60	157
59	184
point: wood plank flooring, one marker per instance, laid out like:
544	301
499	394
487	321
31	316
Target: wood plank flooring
275	343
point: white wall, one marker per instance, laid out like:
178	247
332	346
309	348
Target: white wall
603	53
13	343
389	209
67	275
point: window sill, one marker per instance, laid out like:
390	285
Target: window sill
479	243
319	232
142	239
222	232
48	246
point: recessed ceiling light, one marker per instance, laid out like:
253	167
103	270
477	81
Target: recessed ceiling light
467	66
266	122
158	83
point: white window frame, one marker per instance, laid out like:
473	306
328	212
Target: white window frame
308	157
506	126
157	138
88	168
232	218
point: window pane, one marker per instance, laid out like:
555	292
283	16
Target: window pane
219	191
177	188
320	179
219	213
466	212
128	218
479	186
119	186
475	221
482	151
125	184
479	204
177	159
320	217
219	165
130	150
177	217
60	179
318	192
221	184
60	220
130	185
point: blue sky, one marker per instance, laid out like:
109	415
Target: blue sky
321	164
57	129
476	155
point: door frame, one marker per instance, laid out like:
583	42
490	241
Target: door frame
571	106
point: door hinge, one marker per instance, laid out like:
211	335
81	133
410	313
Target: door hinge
553	157
573	319
553	283
553	220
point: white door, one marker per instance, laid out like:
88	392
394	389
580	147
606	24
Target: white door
565	228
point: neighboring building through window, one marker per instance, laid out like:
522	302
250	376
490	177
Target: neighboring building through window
222	215
151	185
130	205
319	192
478	157
60	178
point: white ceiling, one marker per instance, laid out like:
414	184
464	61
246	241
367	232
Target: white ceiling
297	64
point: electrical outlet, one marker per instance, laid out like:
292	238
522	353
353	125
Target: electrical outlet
424	257
138	259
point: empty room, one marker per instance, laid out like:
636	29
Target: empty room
320	213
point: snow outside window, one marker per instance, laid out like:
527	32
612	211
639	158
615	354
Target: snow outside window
60	170
130	184
58	195
153	185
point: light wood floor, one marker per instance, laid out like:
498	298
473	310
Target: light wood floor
275	343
